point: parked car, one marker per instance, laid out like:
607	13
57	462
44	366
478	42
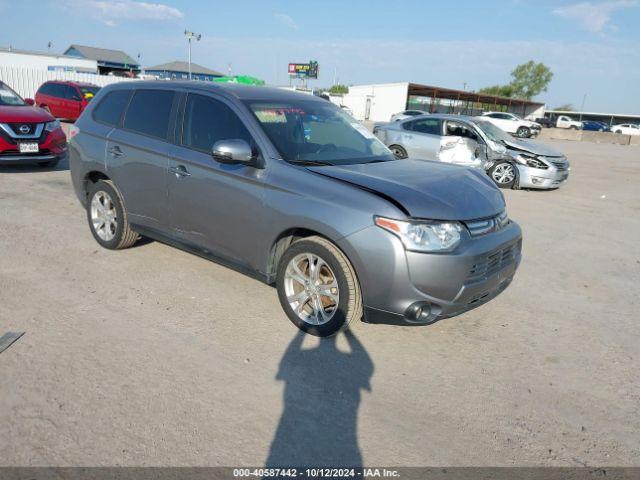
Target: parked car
343	229
406	114
565	121
443	138
513	124
477	142
545	122
626	129
28	134
65	99
594	126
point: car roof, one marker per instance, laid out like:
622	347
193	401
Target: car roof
239	91
71	82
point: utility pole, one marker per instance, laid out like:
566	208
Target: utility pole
189	36
49	47
584	99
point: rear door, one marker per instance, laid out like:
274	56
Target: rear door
421	138
72	103
55	99
137	156
214	205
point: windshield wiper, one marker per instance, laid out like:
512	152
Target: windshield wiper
311	162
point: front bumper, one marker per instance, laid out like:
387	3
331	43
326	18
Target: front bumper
541	179
395	282
52	146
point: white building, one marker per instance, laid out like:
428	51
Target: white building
376	103
12	58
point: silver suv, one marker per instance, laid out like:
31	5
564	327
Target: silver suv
291	190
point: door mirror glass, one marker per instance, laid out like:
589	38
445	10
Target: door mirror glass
233	151
29	101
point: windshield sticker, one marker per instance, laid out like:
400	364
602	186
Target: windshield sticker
271	116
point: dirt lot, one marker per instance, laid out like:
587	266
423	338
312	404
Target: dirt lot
152	356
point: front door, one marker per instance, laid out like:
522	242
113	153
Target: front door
214	205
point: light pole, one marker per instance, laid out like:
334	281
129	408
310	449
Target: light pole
189	36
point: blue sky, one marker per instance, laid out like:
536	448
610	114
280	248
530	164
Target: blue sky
593	47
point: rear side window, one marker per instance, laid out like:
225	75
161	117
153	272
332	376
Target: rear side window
110	109
149	112
45	89
207	121
426	125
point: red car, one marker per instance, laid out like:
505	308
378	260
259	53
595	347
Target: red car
28	134
65	99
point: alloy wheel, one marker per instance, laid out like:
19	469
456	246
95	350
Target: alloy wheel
503	173
311	289
104	216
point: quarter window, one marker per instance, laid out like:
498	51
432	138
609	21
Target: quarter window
149	112
207	121
110	109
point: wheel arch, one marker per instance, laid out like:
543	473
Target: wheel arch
90	177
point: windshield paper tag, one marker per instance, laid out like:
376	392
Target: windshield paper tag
364	131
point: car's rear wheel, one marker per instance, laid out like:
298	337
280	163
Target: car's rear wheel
523	132
107	216
317	287
503	174
398	151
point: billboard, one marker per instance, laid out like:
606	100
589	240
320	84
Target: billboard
304	70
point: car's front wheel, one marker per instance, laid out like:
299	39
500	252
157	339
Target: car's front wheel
503	174
107	217
523	132
317	287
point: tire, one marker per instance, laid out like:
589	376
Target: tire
398	151
116	233
49	164
503	174
523	132
336	270
617	131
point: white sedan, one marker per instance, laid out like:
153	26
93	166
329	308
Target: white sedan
406	114
513	124
626	129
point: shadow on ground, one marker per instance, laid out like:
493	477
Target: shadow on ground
321	398
33	168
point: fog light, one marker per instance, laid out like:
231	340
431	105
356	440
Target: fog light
418	312
537	180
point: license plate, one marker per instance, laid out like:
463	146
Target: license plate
29	148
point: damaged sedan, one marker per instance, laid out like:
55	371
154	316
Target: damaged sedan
291	190
478	143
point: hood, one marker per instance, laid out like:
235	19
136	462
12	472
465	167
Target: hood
431	190
531	146
27	114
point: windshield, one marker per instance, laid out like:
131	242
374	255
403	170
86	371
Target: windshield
89	92
9	97
318	132
494	133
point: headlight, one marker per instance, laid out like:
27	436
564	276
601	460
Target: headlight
423	236
530	161
51	126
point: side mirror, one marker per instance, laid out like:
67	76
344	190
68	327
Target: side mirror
233	151
30	101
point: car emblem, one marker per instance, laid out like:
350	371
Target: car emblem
24	129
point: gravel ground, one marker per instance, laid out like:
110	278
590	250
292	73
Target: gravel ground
152	356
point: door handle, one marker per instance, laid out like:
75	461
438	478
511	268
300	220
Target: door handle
115	151
180	171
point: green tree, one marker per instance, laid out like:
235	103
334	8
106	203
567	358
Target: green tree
567	107
339	89
527	80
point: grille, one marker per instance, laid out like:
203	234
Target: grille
560	165
487	225
23	128
493	262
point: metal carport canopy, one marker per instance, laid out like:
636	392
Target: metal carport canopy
465	96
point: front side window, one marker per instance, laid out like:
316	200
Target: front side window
58	90
207	121
457	129
71	93
317	132
10	98
89	92
110	108
149	113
